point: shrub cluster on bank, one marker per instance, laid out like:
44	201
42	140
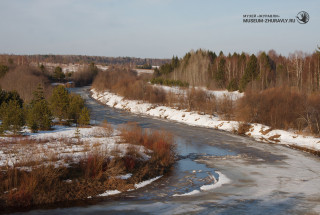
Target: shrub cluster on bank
283	108
169	82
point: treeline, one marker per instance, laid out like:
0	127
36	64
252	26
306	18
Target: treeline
39	113
65	59
239	71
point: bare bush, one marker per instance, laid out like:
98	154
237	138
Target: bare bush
226	107
243	128
311	114
276	107
155	95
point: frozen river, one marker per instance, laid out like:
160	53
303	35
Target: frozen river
253	177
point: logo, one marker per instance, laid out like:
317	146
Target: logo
302	17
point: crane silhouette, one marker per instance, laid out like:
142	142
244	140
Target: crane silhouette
303	17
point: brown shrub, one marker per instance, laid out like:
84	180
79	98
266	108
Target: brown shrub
225	107
131	133
276	107
311	114
155	95
159	142
199	100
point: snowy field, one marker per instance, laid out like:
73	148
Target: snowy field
257	131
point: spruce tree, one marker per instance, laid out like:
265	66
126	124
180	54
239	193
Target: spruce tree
250	73
220	74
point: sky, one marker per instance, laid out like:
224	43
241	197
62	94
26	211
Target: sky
154	28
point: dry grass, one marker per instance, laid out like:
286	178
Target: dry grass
104	130
243	128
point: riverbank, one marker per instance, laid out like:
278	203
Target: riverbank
69	163
257	131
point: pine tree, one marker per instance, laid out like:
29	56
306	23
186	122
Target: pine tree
233	85
220	74
77	134
58	74
84	118
76	103
12	116
59	102
39	116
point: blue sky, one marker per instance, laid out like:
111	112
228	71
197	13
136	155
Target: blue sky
153	28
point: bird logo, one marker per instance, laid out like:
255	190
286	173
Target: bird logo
302	17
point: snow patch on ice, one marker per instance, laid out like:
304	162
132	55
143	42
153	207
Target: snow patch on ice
194	192
145	183
109	193
217	183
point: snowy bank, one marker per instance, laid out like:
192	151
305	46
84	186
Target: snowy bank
257	131
61	146
219	94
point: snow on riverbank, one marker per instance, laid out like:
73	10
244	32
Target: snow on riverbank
257	131
218	94
60	146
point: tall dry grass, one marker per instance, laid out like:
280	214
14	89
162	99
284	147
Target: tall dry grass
160	144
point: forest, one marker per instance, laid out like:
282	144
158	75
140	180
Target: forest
239	71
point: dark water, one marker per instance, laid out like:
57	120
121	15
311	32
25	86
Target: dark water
263	178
